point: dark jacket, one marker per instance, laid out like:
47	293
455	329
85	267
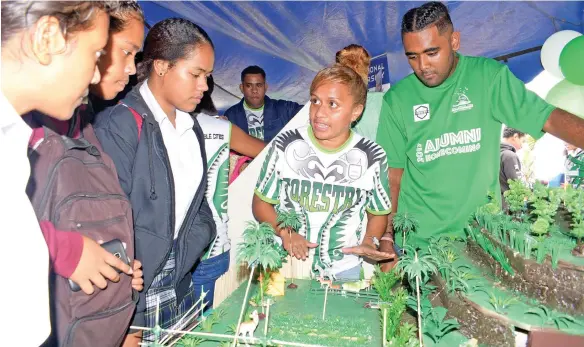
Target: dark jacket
146	177
510	166
277	113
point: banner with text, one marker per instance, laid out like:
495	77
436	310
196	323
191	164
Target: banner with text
379	74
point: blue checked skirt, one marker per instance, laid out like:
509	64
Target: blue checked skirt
170	312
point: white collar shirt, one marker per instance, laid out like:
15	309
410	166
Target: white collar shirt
184	154
23	249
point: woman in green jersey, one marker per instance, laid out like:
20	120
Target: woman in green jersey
332	177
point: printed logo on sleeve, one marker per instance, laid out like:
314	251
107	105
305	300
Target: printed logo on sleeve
421	112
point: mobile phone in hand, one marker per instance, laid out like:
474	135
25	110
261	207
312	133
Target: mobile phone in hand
115	247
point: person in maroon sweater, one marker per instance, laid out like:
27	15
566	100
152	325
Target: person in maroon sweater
72	255
49	53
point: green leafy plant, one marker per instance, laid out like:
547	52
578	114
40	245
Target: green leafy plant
395	310
231	329
383	282
259	247
405	223
212	319
540	227
290	220
551	317
540	252
516	197
545	203
574	203
529	243
499	303
578	231
492	206
405	337
435	327
462	280
540	191
190	341
488	246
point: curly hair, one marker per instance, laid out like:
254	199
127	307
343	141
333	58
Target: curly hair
430	13
73	16
170	40
357	58
344	75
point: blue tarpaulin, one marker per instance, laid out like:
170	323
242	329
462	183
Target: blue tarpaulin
292	40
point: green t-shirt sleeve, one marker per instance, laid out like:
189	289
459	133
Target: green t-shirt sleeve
391	134
379	202
517	107
268	185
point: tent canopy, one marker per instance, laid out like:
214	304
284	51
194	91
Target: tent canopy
292	40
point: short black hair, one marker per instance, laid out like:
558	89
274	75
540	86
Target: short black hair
253	70
509	132
430	13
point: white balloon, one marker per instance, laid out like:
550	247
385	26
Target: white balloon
552	48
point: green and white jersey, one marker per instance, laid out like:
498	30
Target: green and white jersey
329	190
575	168
217	136
446	139
255	121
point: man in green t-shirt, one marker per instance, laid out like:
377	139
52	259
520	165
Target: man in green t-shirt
441	126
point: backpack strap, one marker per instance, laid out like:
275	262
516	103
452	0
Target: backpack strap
137	117
80	144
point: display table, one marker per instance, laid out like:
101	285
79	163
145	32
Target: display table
297	317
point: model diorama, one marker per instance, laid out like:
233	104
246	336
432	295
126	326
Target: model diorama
516	270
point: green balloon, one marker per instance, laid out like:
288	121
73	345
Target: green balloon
567	96
572	61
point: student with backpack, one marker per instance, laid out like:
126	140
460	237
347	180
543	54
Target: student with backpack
101	211
158	150
55	48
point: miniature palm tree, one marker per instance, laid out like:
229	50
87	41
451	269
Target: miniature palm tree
258	249
404	222
417	267
291	221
